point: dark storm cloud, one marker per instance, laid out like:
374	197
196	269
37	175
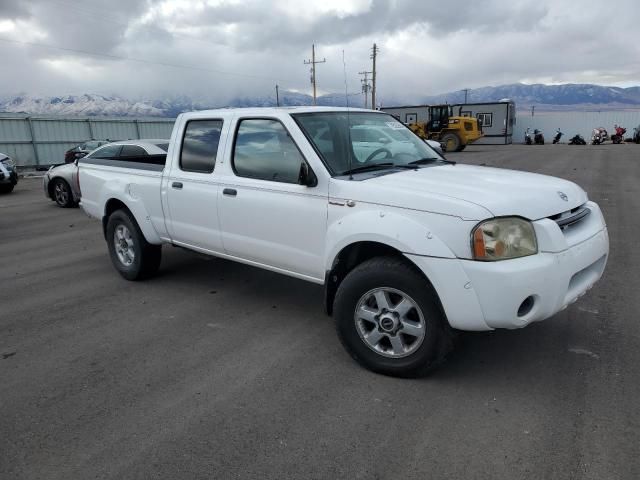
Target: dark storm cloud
13	9
382	17
427	47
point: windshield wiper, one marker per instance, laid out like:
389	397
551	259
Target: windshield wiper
379	166
422	161
366	168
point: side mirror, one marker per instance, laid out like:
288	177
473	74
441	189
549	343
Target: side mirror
80	154
306	176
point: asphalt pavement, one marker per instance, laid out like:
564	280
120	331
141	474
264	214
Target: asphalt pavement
219	370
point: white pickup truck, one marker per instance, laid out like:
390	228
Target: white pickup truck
408	245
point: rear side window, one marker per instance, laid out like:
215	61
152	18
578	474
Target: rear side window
108	151
200	145
132	151
264	150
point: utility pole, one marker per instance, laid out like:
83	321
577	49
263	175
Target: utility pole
466	91
277	96
533	109
366	87
313	63
374	54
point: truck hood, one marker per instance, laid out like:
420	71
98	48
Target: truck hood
449	188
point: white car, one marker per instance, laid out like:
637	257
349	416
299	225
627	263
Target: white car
60	183
408	245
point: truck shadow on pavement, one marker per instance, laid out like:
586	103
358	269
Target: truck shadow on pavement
510	354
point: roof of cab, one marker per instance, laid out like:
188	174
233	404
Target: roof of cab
279	110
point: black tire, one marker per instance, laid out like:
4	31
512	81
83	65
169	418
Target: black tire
61	193
452	141
461	148
399	275
147	257
7	188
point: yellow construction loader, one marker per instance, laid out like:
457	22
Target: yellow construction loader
454	133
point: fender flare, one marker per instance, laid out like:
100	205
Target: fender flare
125	194
395	230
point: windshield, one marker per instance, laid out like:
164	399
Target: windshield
353	140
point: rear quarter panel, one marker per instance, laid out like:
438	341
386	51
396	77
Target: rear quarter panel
139	190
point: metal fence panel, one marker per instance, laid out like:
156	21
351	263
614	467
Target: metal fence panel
22	153
42	141
155	129
14	130
54	130
114	130
53	153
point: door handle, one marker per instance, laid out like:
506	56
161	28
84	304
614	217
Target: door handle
230	191
177	185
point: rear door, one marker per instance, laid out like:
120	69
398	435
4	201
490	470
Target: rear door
190	186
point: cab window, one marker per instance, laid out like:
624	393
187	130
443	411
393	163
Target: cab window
264	150
200	145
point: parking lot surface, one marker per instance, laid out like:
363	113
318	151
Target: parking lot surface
219	370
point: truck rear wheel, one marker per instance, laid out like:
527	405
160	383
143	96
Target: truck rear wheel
452	141
131	254
389	319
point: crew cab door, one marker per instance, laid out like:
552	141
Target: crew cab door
267	217
190	187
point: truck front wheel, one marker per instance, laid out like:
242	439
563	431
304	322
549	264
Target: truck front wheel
389	319
131	254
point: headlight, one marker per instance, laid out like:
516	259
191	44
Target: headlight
8	162
503	238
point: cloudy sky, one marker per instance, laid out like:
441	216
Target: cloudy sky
217	49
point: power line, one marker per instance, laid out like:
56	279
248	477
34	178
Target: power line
313	63
138	60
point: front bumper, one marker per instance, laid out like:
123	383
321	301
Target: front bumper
514	293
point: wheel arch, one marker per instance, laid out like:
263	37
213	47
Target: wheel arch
137	212
353	255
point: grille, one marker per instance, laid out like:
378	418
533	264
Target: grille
571	217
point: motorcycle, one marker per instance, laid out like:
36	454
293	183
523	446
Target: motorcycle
527	137
538	137
618	137
558	136
577	139
599	136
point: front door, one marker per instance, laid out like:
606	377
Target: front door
192	193
266	215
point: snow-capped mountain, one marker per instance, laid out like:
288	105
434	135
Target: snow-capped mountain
547	96
544	97
84	105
